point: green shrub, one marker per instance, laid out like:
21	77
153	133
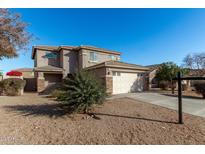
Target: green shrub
164	85
57	93
82	90
200	87
12	86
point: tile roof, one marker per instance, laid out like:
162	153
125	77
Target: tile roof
197	72
153	67
97	49
124	64
49	69
45	47
24	69
119	64
66	47
77	48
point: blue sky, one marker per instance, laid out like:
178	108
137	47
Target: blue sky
144	36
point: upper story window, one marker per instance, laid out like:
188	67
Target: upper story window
50	55
93	56
112	57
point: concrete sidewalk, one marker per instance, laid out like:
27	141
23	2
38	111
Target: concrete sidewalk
190	105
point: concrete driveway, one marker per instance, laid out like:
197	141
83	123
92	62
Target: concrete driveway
190	105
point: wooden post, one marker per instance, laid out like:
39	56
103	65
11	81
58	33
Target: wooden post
172	84
180	98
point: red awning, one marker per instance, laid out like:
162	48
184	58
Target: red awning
14	73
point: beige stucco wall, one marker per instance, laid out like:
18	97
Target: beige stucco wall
45	81
40	81
35	61
69	61
52	78
105	79
152	75
124	70
28	74
99	72
84	58
40	61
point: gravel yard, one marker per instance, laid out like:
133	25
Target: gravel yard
31	119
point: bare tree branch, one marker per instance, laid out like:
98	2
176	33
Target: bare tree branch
13	34
195	61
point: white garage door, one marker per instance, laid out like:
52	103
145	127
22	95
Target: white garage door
127	82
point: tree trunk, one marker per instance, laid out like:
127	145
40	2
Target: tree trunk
85	110
172	87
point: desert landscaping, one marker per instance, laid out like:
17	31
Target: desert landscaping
127	82
33	119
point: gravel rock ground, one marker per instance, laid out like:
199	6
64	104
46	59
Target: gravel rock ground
31	119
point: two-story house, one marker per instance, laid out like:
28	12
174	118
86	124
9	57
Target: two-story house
53	63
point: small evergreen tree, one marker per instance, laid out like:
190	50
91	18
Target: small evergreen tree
81	91
169	70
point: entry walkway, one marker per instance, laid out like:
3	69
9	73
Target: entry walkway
190	105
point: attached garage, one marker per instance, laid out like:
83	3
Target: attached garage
120	77
127	82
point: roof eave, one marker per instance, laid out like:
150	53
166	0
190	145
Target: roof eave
95	66
125	67
116	66
39	70
33	54
98	49
37	47
65	47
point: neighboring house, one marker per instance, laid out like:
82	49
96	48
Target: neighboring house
53	63
28	76
26	72
196	73
153	81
